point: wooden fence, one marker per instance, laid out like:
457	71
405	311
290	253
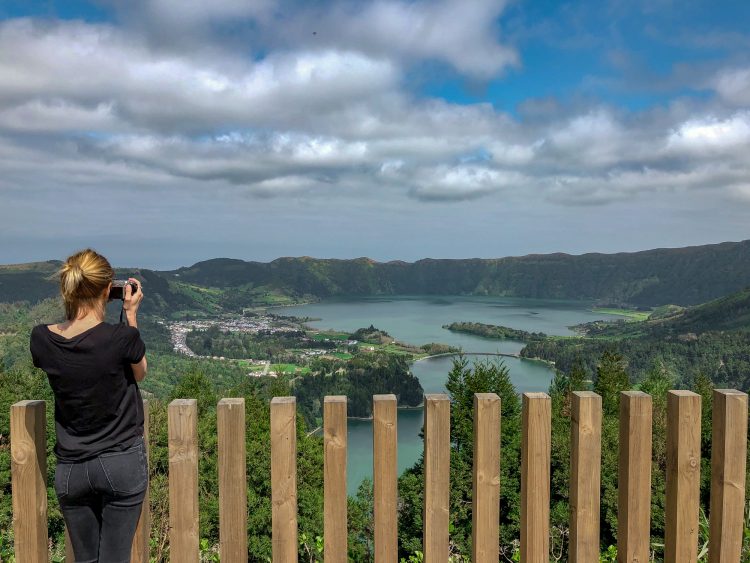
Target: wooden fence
730	418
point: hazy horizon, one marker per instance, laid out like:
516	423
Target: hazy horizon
188	264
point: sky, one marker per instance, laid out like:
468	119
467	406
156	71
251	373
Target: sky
165	132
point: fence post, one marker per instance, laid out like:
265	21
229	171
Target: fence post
535	470
634	477
437	462
183	480
140	550
683	476
485	514
385	487
585	475
728	451
284	479
230	423
28	454
334	482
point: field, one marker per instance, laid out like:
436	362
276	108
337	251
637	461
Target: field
631	314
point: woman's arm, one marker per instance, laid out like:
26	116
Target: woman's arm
131	310
140	369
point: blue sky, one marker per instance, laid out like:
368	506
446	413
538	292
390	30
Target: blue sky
163	132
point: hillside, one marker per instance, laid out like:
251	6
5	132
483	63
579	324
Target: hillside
713	339
681	276
728	313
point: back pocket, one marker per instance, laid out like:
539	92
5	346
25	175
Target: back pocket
62	477
125	471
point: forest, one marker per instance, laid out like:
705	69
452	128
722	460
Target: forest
678	276
697	348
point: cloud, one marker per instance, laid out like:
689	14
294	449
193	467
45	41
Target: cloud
733	85
709	134
463	35
84	64
458	183
94	104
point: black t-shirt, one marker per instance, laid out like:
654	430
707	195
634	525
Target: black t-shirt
98	407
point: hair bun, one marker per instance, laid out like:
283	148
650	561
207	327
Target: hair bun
71	278
83	278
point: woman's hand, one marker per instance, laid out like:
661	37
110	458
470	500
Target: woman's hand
132	301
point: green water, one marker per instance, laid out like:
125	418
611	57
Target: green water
418	320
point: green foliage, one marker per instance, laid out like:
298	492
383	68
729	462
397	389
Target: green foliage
359	379
263	345
685	276
611	380
652	355
609	555
495	331
710	339
312	548
372	335
361	525
6	546
489	376
416	557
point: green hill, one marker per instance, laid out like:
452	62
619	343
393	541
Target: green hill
680	276
731	312
713	338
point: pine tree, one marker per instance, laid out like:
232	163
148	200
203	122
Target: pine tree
611	379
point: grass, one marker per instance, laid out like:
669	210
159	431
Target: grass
319	336
630	314
252	367
289	368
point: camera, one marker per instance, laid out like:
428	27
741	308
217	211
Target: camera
118	289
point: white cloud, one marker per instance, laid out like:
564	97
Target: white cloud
449	183
89	64
86	104
463	34
733	85
712	134
594	138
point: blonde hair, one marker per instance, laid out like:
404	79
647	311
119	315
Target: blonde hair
83	278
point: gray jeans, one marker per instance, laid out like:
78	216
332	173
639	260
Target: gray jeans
101	500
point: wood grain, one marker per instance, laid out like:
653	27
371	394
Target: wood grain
683	476
183	480
585	475
535	477
284	479
485	516
334	482
728	460
385	478
634	477
28	452
230	424
437	462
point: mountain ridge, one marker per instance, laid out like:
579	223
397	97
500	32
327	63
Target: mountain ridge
682	276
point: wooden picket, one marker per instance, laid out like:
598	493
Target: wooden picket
730	428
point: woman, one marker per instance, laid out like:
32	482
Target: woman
93	368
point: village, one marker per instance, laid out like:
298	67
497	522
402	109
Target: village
262	324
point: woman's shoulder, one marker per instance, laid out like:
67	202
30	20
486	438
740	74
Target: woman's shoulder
38	330
122	328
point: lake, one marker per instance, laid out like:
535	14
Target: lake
418	320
